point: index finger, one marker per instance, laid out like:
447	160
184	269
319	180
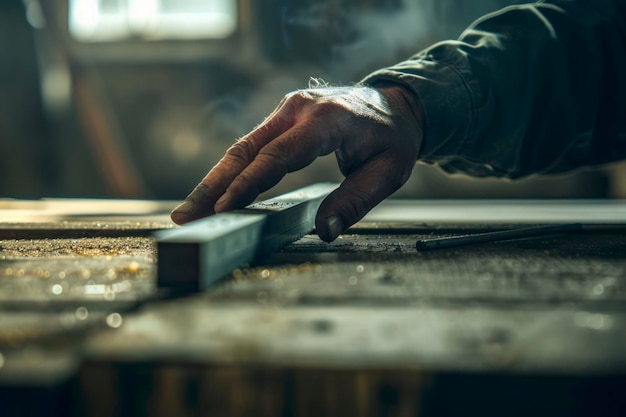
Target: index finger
292	151
200	202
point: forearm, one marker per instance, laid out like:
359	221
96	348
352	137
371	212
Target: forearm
531	89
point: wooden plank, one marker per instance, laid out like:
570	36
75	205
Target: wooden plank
547	340
195	256
362	326
386	270
65	218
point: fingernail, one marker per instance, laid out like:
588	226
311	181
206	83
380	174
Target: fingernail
184	207
335	226
182	212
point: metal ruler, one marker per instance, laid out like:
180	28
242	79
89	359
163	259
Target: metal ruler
194	256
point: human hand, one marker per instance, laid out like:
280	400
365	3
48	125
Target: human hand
375	132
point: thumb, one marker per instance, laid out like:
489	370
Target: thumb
361	191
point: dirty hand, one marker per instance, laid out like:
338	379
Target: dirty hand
375	132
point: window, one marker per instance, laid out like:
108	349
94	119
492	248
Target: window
115	20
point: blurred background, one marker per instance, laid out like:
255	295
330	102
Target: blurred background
139	98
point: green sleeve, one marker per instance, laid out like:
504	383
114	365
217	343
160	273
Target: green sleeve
534	88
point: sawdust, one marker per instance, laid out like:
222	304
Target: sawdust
81	247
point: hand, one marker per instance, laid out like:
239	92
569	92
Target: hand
375	132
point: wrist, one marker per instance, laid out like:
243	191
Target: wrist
403	100
407	109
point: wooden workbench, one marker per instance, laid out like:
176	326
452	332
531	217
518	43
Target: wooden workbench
364	326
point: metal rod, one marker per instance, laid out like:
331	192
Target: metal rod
448	242
196	255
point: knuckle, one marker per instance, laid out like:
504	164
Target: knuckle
317	107
289	107
245	184
274	158
279	149
242	152
296	98
270	159
268	128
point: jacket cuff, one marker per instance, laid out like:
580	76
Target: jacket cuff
446	99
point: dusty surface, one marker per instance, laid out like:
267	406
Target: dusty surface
367	317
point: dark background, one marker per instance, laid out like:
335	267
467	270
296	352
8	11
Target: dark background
145	118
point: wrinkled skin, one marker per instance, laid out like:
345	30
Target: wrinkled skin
375	132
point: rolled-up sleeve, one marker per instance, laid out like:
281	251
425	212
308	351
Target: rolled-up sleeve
534	88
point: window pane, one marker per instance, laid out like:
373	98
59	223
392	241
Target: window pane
111	6
107	20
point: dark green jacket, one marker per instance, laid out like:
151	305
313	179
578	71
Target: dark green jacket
535	88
